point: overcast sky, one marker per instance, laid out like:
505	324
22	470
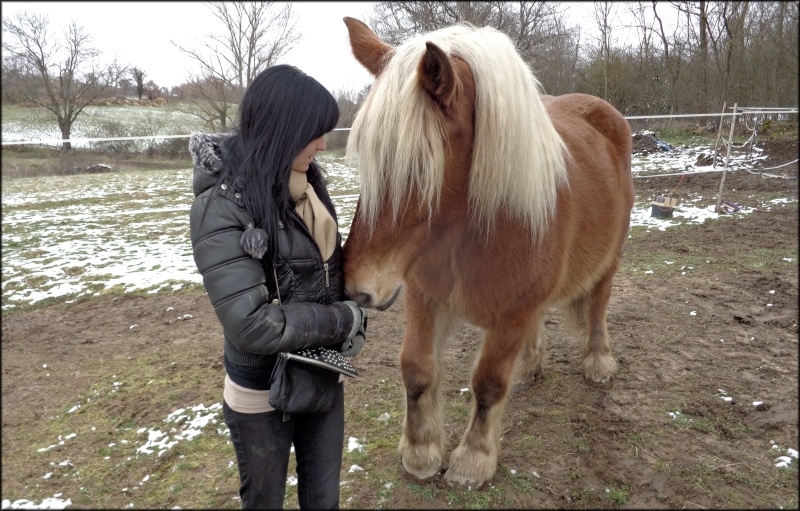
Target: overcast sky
139	34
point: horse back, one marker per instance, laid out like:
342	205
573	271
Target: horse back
581	118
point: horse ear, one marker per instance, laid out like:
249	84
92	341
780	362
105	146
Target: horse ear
367	47
436	75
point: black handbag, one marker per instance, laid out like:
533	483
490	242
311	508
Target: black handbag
297	387
307	381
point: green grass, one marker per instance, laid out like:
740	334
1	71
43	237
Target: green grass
685	137
103	455
618	495
425	492
636	260
487	498
633	439
689	135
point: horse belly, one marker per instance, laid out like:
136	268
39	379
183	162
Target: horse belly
591	226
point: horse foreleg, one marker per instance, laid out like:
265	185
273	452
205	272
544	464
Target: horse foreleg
421	445
599	364
474	461
530	364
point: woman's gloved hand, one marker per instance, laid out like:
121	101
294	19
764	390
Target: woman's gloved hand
353	346
355	340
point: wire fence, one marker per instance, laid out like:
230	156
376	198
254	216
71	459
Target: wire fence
742	111
755	112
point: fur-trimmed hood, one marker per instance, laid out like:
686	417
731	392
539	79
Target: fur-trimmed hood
207	158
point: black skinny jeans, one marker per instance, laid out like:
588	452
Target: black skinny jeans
262	442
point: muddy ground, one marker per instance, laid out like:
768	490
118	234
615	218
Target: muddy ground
721	321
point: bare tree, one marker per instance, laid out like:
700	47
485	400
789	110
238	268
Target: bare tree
152	90
647	87
16	79
138	78
537	29
725	24
733	19
609	69
776	51
125	83
674	47
216	99
702	25
253	36
604	15
692	88
68	77
697	54
688	55
349	101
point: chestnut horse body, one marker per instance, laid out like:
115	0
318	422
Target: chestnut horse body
488	203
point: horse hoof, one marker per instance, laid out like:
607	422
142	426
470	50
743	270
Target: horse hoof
521	387
526	382
458	481
423	474
599	369
605	384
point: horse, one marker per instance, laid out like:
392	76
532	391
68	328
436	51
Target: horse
486	202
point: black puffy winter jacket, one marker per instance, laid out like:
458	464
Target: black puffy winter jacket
256	328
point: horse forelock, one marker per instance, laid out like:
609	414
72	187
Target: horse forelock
397	140
398	137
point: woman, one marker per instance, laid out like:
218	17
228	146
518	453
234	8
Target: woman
265	238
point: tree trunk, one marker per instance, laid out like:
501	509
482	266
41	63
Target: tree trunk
66	145
780	49
704	51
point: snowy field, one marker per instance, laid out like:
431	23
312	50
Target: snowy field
98	122
66	237
72	236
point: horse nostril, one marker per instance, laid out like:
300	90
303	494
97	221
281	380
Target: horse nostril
362	299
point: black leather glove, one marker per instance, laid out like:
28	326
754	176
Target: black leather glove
355	340
353	346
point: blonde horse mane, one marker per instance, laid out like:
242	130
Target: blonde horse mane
398	138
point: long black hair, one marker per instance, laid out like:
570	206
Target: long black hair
282	111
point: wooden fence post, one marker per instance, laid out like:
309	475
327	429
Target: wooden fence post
727	158
719	134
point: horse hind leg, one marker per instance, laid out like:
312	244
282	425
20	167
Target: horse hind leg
588	313
530	363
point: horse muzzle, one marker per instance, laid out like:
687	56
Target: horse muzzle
368	301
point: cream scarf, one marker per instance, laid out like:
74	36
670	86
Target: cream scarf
316	216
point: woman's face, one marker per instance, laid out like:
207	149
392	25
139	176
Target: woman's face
303	160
